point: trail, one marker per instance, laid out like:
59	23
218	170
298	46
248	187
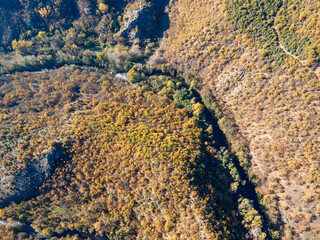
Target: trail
289	53
302	62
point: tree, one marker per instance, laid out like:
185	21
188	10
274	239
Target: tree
42	35
23	47
103	7
133	75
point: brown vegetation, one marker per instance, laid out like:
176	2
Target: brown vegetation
272	97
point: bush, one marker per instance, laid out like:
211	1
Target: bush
133	75
23	47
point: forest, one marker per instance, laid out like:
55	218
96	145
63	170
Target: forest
145	119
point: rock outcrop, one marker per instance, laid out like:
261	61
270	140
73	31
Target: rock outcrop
144	21
22	186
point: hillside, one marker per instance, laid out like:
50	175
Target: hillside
229	87
130	163
262	67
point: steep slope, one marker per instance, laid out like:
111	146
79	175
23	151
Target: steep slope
235	52
19	17
255	63
134	165
98	33
134	19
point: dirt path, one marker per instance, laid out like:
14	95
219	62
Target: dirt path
288	53
303	62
